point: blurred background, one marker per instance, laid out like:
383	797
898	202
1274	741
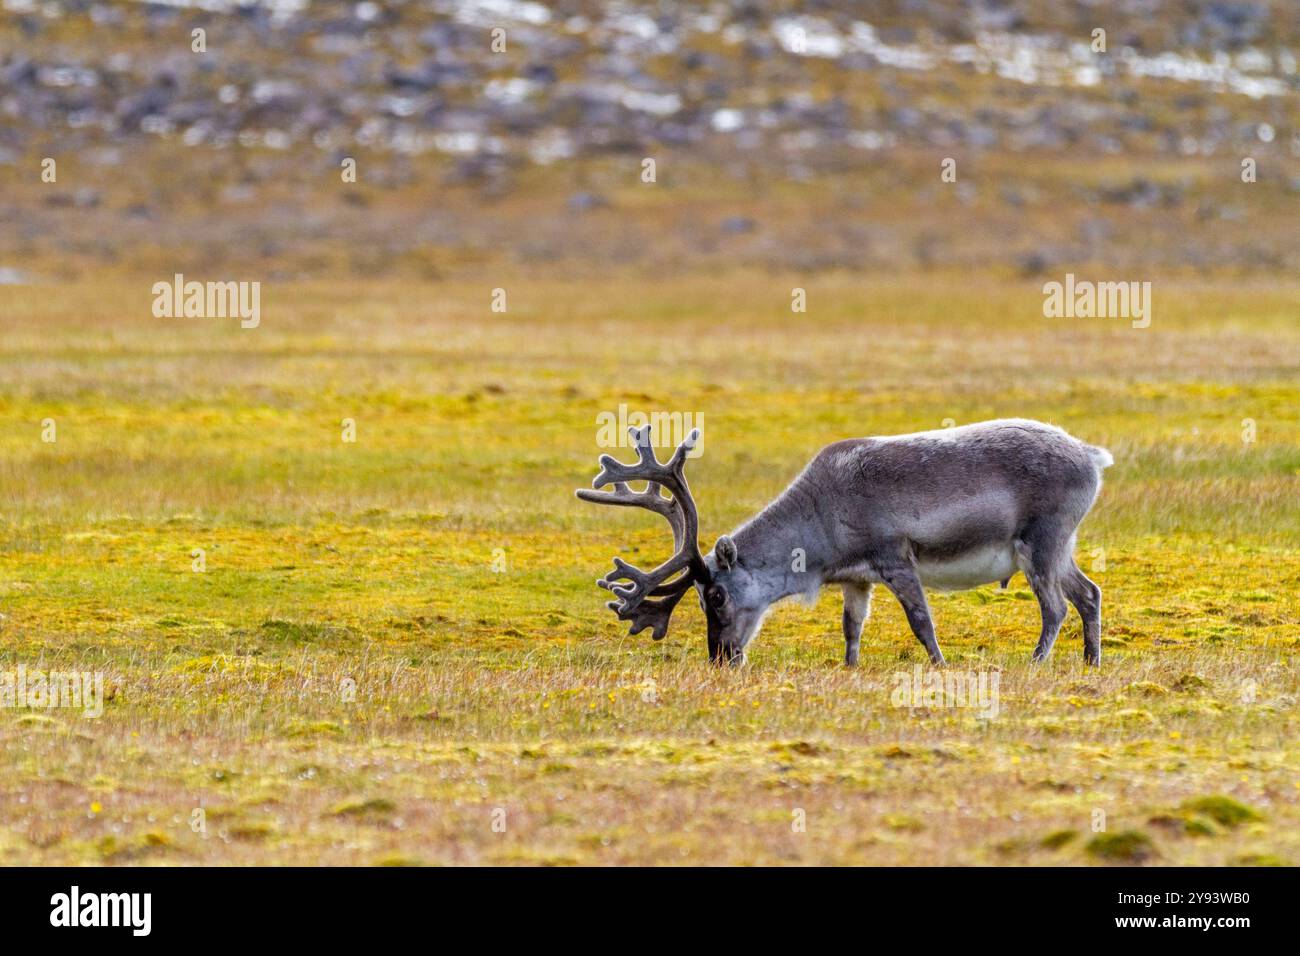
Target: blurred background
800	136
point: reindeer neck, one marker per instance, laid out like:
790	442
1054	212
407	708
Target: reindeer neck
783	545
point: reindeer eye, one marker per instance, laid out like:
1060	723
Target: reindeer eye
716	597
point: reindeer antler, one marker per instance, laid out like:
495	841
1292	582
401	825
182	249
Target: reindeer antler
633	602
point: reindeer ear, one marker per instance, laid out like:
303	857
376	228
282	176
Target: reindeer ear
725	551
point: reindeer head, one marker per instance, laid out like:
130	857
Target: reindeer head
650	597
734	602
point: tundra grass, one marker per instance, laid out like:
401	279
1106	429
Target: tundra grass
390	650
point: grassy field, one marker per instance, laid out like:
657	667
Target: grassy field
442	564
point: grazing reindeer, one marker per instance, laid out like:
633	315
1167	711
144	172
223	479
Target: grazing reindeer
950	509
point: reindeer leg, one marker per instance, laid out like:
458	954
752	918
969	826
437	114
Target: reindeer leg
857	608
1086	598
1051	605
899	575
1041	565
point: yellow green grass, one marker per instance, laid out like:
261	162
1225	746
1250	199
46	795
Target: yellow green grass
441	563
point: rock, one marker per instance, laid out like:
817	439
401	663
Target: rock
738	225
585	202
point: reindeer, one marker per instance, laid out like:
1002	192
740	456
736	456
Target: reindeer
949	509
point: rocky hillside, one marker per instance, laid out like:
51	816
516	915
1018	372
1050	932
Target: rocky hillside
804	135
